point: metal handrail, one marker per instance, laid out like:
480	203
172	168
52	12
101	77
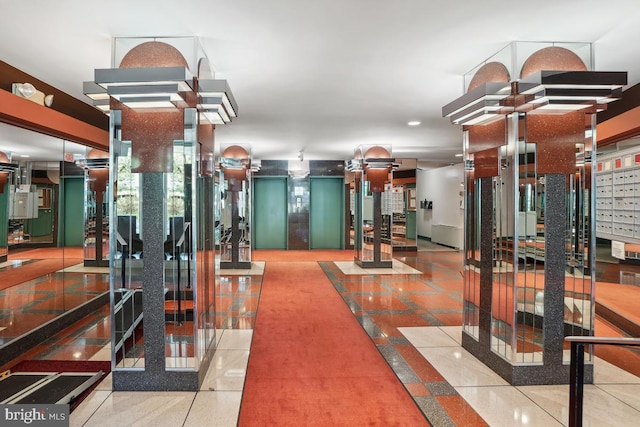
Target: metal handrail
576	376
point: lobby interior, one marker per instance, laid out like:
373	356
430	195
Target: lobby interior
306	333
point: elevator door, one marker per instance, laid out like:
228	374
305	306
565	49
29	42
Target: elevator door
73	211
326	213
270	213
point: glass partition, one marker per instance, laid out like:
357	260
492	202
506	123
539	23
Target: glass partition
404	230
126	252
234	216
529	233
520	256
374	201
96	214
180	199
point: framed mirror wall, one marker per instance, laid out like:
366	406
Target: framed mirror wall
43	234
403	227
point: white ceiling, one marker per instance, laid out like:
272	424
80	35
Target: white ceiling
321	76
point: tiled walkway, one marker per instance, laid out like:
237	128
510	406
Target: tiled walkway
385	304
413	319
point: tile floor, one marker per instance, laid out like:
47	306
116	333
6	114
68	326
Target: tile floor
217	403
411	317
613	399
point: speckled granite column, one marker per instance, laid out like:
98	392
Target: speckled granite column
155	376
555	220
153	236
486	260
377	226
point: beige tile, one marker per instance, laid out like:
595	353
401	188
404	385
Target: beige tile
460	368
227	371
87	407
427	336
506	406
106	383
606	373
454	332
627	393
600	407
215	408
397	267
141	408
235	339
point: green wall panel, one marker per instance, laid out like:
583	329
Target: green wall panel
72	212
411	231
270	213
326	213
43	225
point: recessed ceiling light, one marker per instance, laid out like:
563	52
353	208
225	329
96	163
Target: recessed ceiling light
459	155
413	123
24	155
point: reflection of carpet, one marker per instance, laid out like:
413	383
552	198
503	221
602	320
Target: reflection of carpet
312	364
42	253
312	255
41	267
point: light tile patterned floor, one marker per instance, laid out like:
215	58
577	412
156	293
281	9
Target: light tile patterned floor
412	317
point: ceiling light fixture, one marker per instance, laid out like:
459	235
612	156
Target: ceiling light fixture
216	102
413	123
145	87
161	87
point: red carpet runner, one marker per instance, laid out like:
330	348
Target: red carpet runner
312	364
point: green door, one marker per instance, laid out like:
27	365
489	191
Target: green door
41	228
326	213
72	211
270	213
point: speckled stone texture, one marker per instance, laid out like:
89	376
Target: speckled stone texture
154	376
552	371
555	223
153	270
552	58
486	259
556	136
486	136
485	163
490	72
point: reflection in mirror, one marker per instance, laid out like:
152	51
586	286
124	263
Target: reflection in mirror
42	232
520	259
404	231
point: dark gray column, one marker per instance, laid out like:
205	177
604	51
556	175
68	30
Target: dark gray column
153	235
235	229
555	220
486	260
377	226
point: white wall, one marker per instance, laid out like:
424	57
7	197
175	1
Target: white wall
442	187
